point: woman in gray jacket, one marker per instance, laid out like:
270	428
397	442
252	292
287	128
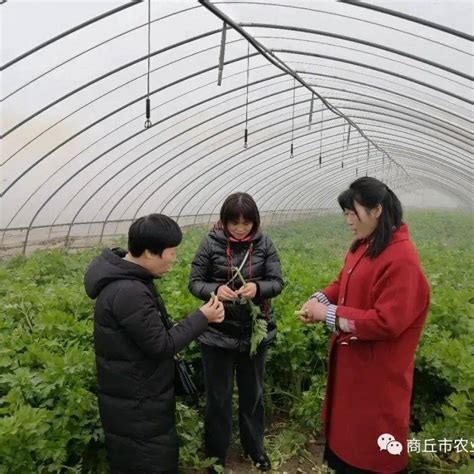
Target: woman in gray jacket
236	242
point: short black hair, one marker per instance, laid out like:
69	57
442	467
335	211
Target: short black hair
240	205
155	232
370	192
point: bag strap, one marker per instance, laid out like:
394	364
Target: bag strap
165	319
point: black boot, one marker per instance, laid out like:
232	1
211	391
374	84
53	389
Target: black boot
261	461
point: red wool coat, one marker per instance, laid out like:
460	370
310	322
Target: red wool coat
371	371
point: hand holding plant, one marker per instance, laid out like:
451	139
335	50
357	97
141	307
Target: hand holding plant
312	312
249	290
224	293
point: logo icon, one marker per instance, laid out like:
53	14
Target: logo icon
387	442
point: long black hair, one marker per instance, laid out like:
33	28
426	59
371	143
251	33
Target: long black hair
240	205
369	193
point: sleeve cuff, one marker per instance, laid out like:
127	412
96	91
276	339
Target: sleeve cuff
321	297
331	317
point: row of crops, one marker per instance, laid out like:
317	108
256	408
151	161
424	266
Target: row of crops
48	414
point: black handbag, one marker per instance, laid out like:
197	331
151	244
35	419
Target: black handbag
183	382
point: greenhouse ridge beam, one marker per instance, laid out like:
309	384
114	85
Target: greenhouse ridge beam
281	65
68	32
387	11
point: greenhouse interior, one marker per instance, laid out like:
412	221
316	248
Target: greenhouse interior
113	110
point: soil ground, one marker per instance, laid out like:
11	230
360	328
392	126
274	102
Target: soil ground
308	464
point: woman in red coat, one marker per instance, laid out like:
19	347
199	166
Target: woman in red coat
376	310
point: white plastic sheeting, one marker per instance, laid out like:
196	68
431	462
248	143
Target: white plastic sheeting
76	159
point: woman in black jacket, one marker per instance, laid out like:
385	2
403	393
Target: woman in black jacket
236	242
134	349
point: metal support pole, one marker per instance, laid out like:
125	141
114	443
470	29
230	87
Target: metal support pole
222	54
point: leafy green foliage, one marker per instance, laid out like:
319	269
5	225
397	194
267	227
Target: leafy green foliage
48	413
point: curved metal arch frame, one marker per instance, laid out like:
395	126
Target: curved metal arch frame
365	21
448	184
254	175
378	99
377	87
126	123
24	55
302	187
349	158
432	124
98	45
114	90
295	173
280	171
374	68
221	174
371	54
219	30
307	199
169	151
194	178
404	16
153	92
330	193
217	3
73	176
75	135
359	41
436	148
298	138
98	121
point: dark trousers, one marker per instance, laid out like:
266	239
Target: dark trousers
219	367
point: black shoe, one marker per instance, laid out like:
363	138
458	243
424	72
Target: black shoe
261	462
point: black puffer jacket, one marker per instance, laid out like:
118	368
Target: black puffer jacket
135	368
212	267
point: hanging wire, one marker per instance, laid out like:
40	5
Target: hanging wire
148	104
343	140
293	119
383	165
321	138
246	134
367	164
357	156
